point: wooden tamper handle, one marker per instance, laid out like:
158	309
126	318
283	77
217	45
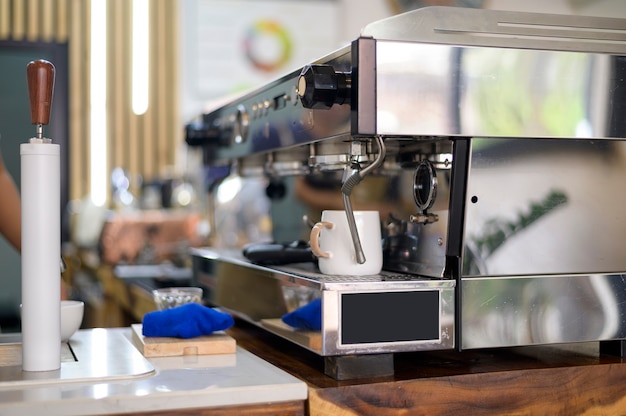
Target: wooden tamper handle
40	74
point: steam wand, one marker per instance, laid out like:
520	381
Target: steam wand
353	175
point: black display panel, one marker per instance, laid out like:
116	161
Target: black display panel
389	317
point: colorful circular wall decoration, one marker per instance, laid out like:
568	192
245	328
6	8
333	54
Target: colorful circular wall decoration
267	45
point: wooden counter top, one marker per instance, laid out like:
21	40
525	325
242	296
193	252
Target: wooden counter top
547	380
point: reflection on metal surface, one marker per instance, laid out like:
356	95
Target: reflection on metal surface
491	92
545	207
528	310
497	231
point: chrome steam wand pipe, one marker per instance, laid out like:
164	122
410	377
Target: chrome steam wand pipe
353	175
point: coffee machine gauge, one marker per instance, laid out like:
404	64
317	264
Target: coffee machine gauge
425	185
424	192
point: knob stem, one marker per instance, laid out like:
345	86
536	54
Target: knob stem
40	74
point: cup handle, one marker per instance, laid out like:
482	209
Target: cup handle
315	235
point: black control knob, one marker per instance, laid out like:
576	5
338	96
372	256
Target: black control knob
319	87
199	133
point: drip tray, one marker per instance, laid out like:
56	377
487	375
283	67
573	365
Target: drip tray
90	355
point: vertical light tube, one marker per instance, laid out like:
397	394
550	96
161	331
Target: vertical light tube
41	251
98	103
140	56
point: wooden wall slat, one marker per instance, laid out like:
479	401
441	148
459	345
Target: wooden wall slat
32	20
78	35
134	167
61	27
171	130
161	84
47	19
5	19
172	42
18	20
119	137
148	151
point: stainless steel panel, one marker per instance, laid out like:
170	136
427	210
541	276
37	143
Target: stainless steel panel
443	90
530	310
545	207
496	28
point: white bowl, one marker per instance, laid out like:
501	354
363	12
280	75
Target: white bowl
71	317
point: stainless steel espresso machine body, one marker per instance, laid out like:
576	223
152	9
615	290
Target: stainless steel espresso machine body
493	145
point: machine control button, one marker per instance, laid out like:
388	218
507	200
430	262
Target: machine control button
319	87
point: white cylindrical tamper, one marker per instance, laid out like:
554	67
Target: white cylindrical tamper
41	232
41	251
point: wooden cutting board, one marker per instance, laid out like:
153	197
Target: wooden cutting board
216	343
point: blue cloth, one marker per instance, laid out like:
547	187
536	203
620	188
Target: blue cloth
308	316
186	321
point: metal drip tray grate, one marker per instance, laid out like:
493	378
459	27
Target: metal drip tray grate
311	273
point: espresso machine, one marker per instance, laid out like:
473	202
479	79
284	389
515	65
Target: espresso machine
492	143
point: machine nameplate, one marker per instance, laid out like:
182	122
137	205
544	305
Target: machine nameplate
390	317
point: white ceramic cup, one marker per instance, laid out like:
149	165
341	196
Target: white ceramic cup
332	243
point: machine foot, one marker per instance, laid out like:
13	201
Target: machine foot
615	347
346	367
